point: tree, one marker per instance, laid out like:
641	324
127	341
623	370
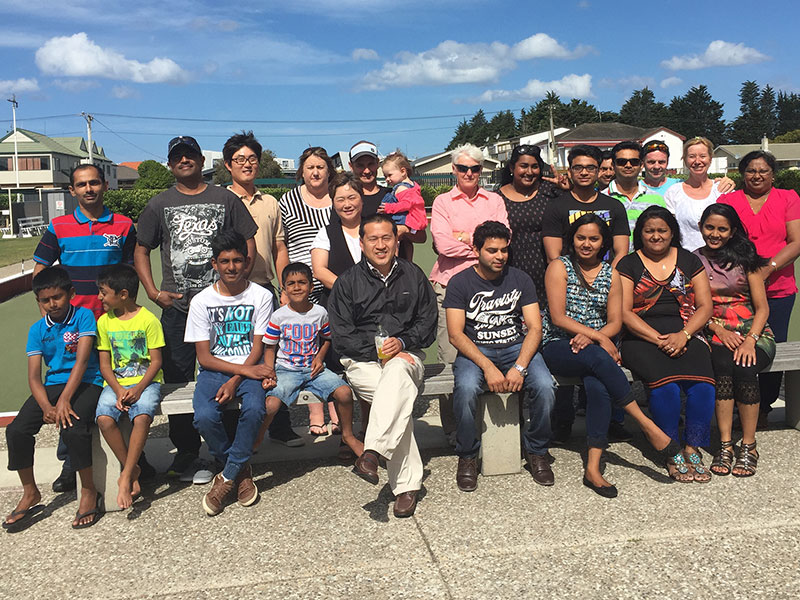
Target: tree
768	106
758	114
460	136
503	126
268	168
642	110
575	113
153	176
790	137
788	108
478	128
697	113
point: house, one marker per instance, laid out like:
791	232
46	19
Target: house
127	175
726	157
501	149
436	169
46	162
606	135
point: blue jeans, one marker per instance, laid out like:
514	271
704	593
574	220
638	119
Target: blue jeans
605	384
665	406
293	381
538	388
780	310
208	419
147	404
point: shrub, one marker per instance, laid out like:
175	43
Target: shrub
130	203
788	179
430	192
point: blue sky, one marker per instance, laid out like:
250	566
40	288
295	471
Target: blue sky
364	69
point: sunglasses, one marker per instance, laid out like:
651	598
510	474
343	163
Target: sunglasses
656	146
475	169
621	162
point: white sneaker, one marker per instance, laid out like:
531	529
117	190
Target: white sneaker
199	472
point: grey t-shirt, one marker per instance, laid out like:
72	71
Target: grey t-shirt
183	226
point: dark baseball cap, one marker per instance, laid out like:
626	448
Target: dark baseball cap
183	140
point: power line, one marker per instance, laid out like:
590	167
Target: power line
127	141
271	135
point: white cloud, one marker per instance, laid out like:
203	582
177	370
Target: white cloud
18	86
75	85
718	54
365	54
123	92
627	83
78	56
569	86
670	81
455	62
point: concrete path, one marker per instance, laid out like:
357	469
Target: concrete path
320	532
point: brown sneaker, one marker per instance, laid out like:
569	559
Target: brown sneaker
214	499
246	490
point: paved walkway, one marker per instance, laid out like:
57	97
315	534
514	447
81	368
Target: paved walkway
320	532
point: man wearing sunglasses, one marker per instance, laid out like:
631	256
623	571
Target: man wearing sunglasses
454	217
626	187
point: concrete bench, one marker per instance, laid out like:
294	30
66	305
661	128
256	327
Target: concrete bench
30	226
499	425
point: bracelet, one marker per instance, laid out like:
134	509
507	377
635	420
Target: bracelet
755	336
687	334
774	266
158	295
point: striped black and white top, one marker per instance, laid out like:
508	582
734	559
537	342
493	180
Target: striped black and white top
301	223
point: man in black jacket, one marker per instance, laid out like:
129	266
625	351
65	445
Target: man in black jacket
395	295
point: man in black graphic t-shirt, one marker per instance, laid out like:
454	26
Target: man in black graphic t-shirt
493	321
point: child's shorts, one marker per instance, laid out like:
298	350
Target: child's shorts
147	404
291	383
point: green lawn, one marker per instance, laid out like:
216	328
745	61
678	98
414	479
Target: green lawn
19	313
16	250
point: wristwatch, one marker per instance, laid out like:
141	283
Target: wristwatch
522	370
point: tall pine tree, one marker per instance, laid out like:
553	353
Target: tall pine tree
697	113
642	110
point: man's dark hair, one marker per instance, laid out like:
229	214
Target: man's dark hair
627	145
768	157
489	229
606	155
238	141
120	277
298	268
585	150
97	168
377	218
52	277
656	212
228	239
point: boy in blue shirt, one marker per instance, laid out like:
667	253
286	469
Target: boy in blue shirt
64	338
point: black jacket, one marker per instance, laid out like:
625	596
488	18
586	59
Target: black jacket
405	306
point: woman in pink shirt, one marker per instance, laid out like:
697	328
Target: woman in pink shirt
772	219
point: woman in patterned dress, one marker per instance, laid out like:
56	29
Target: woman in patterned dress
584	315
666	302
742	343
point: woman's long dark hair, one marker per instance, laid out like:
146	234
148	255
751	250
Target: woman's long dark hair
740	251
569	241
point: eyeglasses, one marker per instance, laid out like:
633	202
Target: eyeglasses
656	147
762	172
240	160
587	168
475	169
621	162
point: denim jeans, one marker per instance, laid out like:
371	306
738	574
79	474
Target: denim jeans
538	389
208	419
780	310
605	383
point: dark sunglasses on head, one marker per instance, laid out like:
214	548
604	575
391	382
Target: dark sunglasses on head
656	146
621	162
473	169
528	150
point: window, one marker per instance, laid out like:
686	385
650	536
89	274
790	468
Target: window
27	163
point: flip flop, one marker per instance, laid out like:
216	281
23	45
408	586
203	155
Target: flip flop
95	511
26	516
320	430
335	429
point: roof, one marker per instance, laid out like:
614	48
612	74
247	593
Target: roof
779	151
610	132
125	173
39	143
131	164
433	157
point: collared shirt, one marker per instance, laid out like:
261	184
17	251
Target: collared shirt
381	276
266	213
660	189
57	344
84	248
453	211
641	200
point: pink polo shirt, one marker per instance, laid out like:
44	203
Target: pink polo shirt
767	230
453	211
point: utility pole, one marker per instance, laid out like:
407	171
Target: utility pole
14	105
553	153
89	119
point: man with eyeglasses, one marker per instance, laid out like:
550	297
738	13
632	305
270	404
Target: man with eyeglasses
181	221
241	155
626	187
454	217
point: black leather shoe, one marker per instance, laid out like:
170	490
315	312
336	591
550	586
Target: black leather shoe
405	504
606	491
366	466
65	482
618	433
148	471
539	464
467	474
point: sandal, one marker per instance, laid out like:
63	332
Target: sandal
95	513
677	469
700	474
317	430
723	461
747	460
335	429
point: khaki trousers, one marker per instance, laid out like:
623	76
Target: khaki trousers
391	390
447	356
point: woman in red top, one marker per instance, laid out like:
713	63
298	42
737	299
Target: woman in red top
772	219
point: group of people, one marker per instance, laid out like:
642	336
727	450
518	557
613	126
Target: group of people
568	275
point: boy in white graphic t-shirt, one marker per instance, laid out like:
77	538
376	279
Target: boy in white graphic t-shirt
226	322
298	338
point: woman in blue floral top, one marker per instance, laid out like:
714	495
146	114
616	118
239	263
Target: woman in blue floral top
584	313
